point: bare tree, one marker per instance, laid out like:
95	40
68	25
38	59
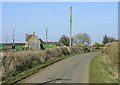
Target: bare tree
82	38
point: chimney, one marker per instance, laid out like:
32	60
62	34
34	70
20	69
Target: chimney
33	33
25	34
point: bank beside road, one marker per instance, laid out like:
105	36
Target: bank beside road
104	67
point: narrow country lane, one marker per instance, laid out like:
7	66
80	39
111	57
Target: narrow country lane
74	69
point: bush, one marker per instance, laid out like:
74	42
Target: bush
97	44
80	45
85	49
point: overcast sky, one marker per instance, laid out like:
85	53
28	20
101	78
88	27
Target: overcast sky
93	18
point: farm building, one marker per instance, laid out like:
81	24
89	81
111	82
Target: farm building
8	46
50	45
33	42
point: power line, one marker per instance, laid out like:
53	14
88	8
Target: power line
13	47
56	11
6	39
99	38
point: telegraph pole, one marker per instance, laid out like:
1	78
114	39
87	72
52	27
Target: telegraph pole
46	36
13	47
99	38
70	23
13	37
6	39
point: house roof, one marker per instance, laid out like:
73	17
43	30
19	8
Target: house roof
51	42
47	42
28	37
42	41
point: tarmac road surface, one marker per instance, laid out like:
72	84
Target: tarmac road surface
73	69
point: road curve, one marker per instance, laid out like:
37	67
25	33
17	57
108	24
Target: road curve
74	69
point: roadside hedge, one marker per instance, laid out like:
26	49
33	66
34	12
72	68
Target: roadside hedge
16	62
111	50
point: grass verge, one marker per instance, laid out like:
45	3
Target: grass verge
28	72
99	72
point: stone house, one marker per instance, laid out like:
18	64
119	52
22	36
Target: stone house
32	42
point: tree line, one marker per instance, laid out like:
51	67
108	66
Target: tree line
83	39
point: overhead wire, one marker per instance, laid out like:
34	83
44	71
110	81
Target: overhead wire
63	17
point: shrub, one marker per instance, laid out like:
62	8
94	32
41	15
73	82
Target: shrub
80	45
